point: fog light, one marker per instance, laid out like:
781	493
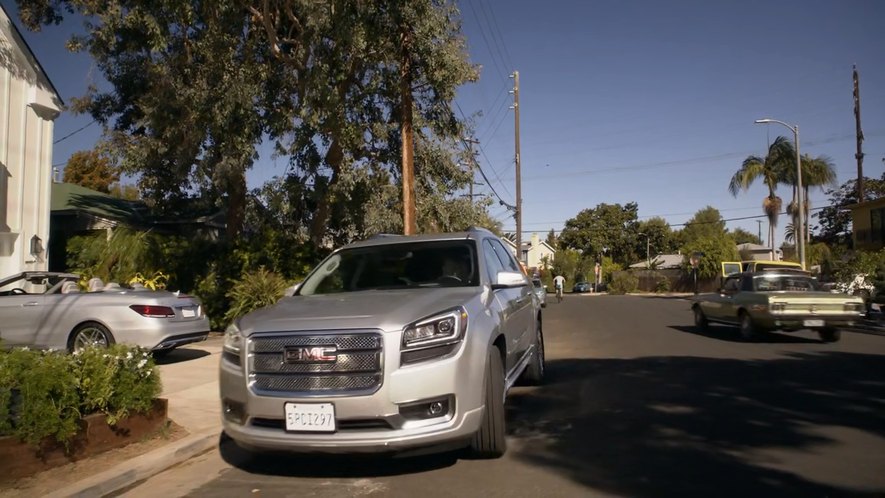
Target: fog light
436	409
427	408
233	411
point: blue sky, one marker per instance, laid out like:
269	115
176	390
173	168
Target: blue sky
643	101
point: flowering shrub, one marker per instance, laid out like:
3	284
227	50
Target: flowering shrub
46	393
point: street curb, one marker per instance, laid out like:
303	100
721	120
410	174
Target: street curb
141	467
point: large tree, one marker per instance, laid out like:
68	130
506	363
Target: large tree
707	223
771	170
196	86
91	169
817	172
606	229
834	220
657	237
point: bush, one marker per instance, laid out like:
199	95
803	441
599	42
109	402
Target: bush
46	393
623	283
253	291
662	284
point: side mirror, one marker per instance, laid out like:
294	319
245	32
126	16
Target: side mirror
290	291
505	279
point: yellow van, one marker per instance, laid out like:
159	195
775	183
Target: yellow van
731	267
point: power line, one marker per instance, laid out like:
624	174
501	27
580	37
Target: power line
71	134
488	45
482	151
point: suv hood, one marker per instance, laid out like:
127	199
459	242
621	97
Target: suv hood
378	309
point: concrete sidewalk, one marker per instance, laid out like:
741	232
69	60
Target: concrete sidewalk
190	383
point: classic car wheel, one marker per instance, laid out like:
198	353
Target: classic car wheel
748	331
534	373
830	335
89	334
700	320
489	440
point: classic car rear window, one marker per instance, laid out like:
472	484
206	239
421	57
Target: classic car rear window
774	283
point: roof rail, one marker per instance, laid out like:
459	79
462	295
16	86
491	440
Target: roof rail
385	235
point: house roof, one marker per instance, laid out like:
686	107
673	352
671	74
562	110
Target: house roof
752	247
869	203
29	54
69	198
663	261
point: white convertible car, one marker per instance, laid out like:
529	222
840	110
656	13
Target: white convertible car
47	310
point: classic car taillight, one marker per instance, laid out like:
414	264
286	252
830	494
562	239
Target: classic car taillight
153	311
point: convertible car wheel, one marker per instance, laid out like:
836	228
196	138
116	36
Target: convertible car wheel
89	334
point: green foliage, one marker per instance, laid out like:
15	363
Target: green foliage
623	282
117	381
834	221
661	239
607	229
742	236
566	262
707	223
45	393
858	263
662	284
715	250
608	268
253	291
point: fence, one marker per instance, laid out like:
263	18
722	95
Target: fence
678	280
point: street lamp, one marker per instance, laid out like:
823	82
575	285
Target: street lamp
647	259
801	229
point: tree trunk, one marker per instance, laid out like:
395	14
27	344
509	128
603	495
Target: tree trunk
334	158
236	208
410	224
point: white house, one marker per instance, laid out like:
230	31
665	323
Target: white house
29	104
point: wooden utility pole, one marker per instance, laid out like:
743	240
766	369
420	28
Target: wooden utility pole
410	224
859	133
518	214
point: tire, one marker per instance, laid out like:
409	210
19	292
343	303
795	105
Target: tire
830	335
534	372
700	320
89	334
489	441
748	330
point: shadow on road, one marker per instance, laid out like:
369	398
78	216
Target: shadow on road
732	334
180	355
685	426
328	466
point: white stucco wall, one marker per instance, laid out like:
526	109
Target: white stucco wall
28	106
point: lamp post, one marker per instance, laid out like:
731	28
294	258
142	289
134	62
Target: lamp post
801	228
647	259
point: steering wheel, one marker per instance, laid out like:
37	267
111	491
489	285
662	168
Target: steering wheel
18	291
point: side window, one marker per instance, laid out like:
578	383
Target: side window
504	255
747	284
493	264
731	284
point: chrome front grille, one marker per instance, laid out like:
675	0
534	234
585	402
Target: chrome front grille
356	367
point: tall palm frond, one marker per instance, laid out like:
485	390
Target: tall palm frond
789	233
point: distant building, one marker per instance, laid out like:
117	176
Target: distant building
661	262
759	252
868	224
29	104
533	252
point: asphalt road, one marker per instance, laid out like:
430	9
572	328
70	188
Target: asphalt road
637	404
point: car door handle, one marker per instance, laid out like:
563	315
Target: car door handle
32	303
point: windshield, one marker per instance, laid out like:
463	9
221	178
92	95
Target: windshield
773	283
396	266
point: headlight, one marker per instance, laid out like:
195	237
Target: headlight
233	340
445	328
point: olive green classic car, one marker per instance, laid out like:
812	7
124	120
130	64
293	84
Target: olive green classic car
777	299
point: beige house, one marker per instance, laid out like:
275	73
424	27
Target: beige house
28	105
534	252
868	224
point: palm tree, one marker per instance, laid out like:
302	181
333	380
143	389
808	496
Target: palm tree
771	169
789	232
817	172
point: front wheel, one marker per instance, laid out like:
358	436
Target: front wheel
748	330
489	441
534	372
830	335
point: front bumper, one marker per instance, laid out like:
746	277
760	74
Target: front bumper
807	322
366	423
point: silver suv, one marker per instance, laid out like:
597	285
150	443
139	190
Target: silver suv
390	344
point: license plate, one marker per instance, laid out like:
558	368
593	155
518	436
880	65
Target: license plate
813	323
310	417
188	312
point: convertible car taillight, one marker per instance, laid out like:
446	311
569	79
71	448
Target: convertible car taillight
152	311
